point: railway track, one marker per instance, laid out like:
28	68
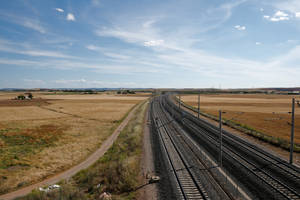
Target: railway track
191	178
263	175
187	186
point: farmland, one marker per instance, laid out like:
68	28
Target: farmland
46	135
265	113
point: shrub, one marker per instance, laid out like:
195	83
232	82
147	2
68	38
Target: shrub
21	97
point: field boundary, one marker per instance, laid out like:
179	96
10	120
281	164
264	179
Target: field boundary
83	165
275	141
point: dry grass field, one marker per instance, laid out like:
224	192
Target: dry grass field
44	136
265	113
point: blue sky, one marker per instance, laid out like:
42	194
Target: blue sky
150	43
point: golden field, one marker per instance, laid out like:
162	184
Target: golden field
51	133
265	113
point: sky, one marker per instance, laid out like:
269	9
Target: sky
149	43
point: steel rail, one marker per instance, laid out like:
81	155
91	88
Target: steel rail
283	165
184	177
211	129
191	154
287	175
264	176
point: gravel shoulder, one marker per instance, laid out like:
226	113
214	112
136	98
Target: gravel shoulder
148	191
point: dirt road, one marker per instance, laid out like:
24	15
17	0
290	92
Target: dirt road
72	171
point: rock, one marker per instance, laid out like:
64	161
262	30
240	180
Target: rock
22	184
148	176
154	179
49	188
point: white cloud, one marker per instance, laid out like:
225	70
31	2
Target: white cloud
83	83
106	53
240	28
16	48
18	62
70	17
92	47
292	6
261	9
59	10
258	43
63	81
26	22
127	35
34	24
297	14
45	53
34	81
281	14
148	24
96	2
153	43
277	19
116	55
278	16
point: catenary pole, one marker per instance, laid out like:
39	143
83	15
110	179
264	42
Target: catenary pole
292	131
198	105
220	127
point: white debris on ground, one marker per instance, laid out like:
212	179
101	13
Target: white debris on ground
49	188
105	196
154	179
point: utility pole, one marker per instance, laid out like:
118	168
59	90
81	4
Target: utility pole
198	105
220	127
292	131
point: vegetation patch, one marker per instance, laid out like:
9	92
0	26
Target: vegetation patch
19	102
116	172
17	143
38	141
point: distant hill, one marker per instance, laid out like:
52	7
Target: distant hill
283	89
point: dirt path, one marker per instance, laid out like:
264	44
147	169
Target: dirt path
149	191
72	171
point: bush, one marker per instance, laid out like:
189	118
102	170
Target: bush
30	96
21	97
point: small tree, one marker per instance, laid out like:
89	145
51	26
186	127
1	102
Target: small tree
30	96
21	97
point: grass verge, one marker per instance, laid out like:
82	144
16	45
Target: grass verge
116	172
